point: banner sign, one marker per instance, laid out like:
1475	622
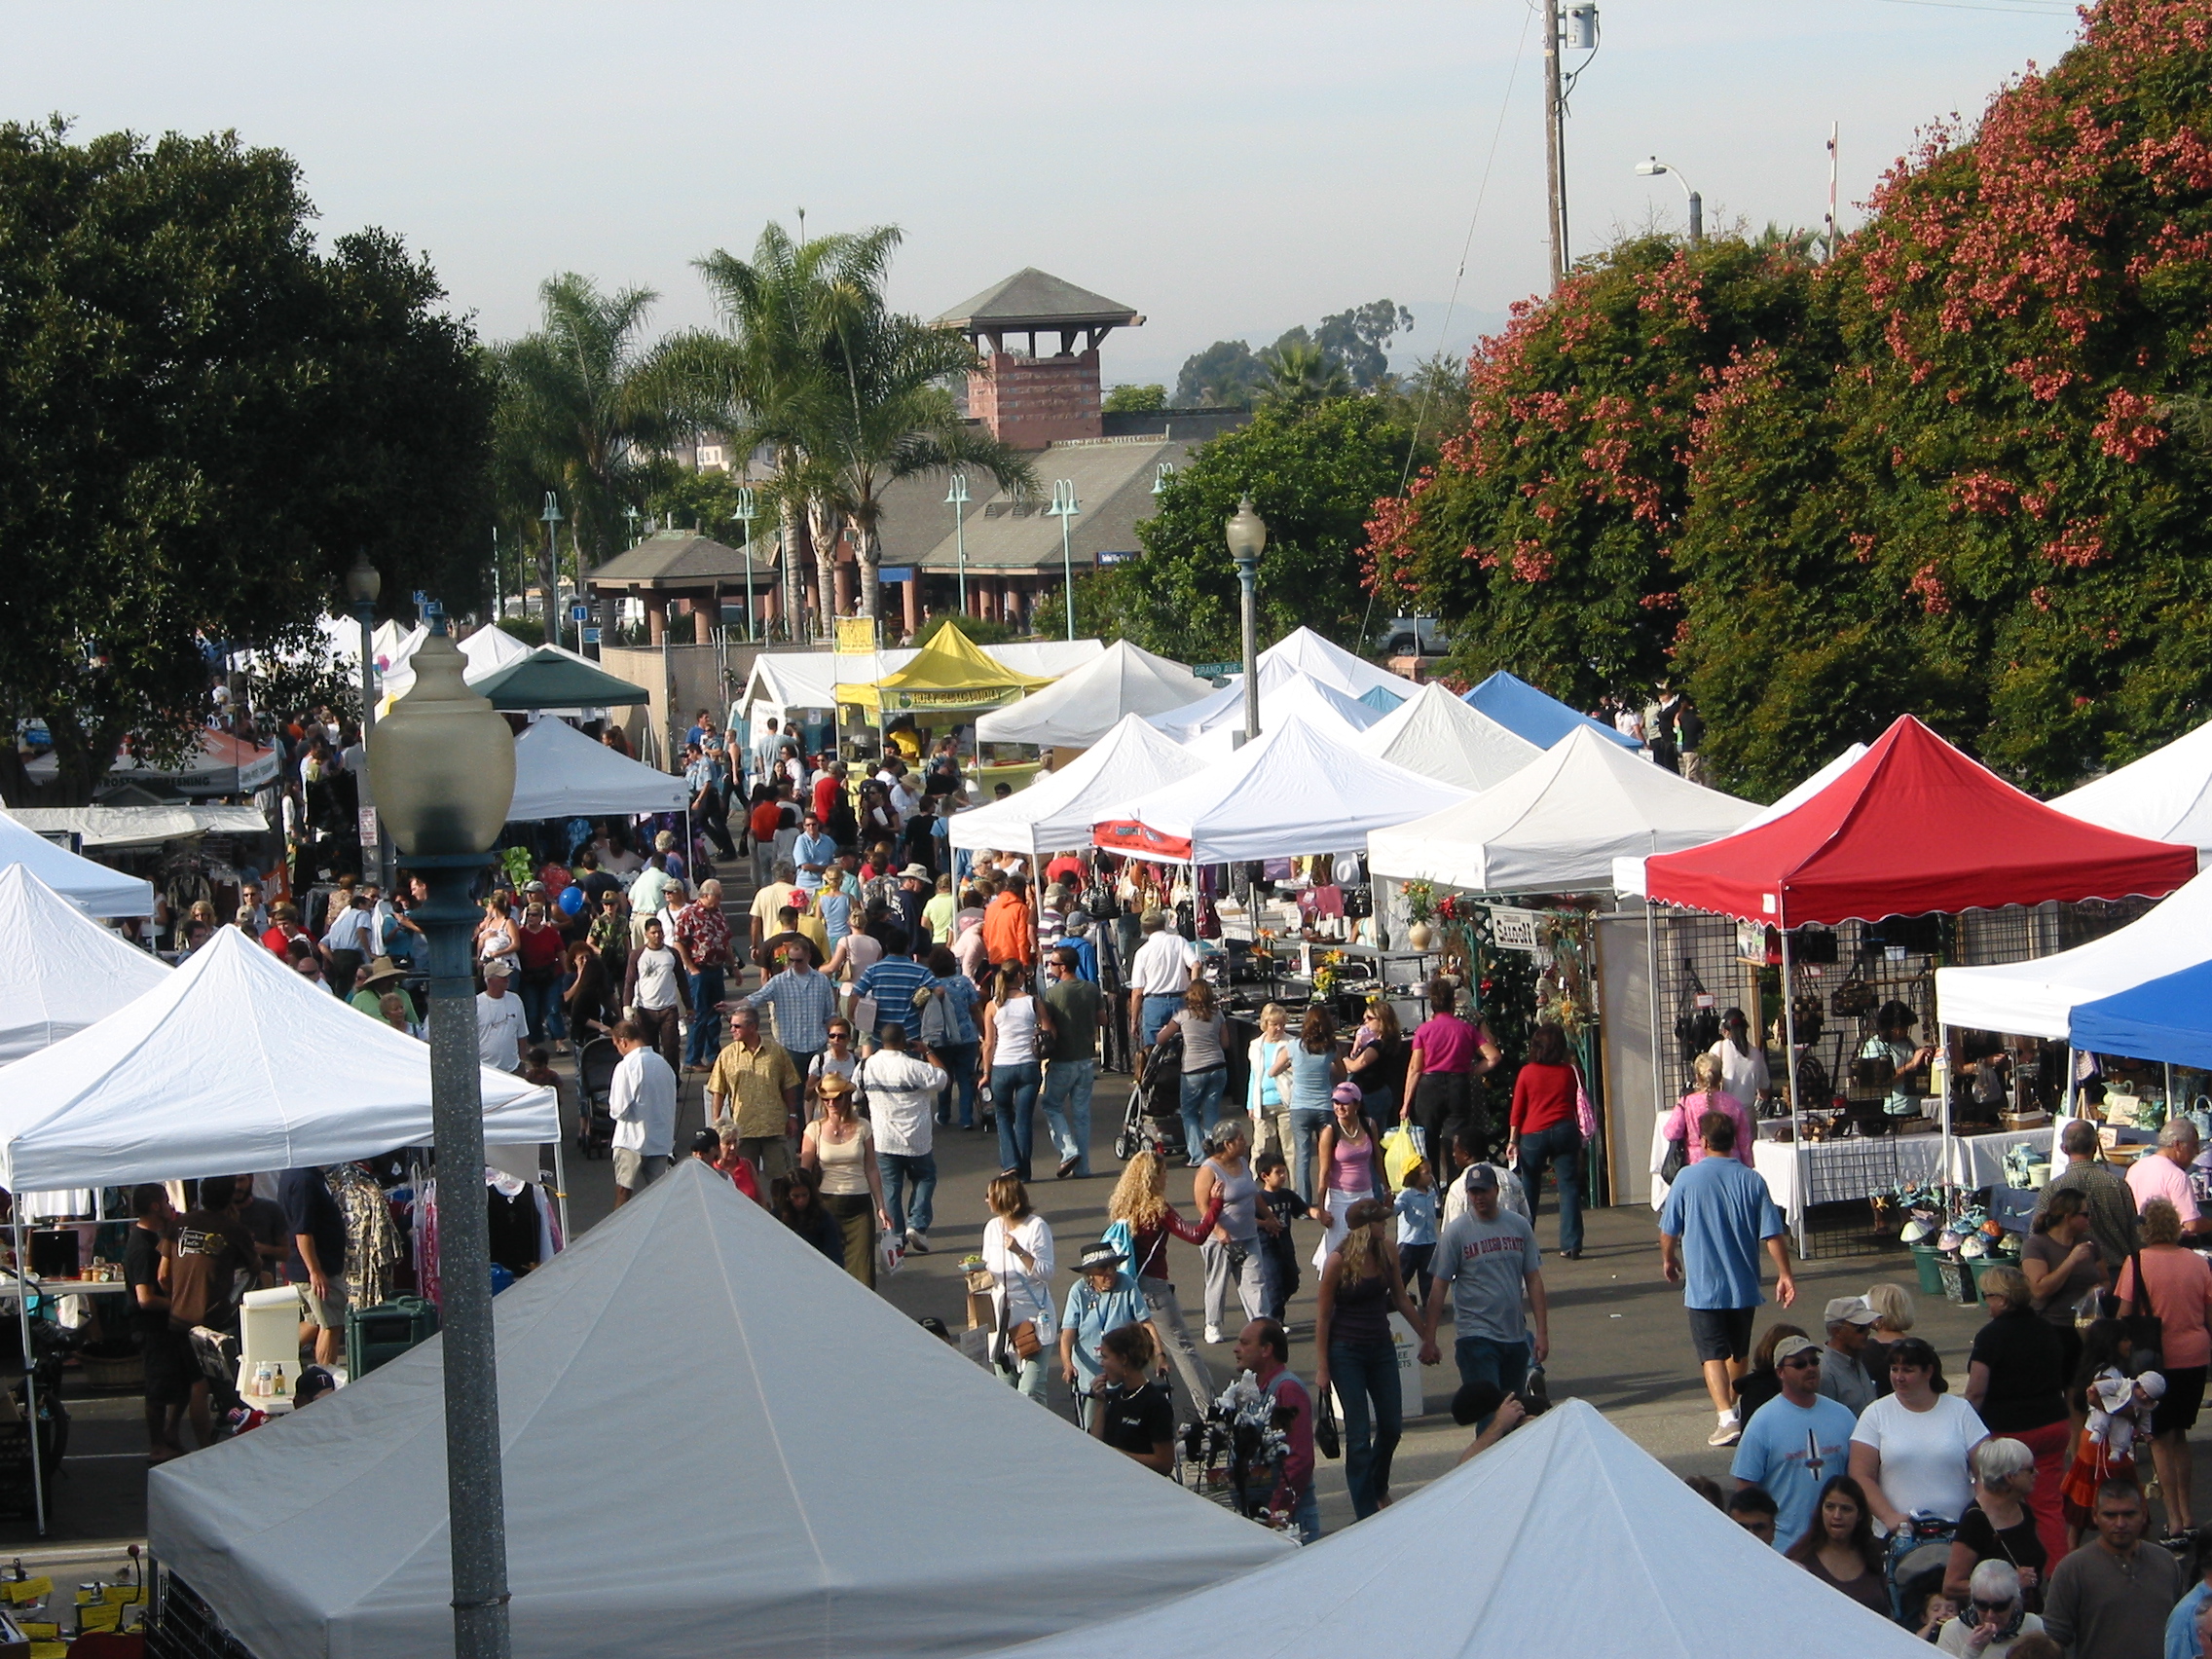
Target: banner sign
1515	930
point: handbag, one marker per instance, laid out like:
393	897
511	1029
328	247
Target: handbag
1326	1439
1023	1339
1677	1161
1585	1110
2146	1331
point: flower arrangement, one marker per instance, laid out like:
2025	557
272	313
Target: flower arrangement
1450	910
1328	973
1420	900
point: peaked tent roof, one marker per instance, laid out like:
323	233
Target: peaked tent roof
1059	809
2165	794
1033	296
1557	825
786	1531
1437	735
950	672
232	1061
61	970
1627	873
1913	826
1630	1559
1221	714
1078	710
2038	998
2168	1019
93	888
1383	699
550	678
1302	652
1293	791
561	773
1540	718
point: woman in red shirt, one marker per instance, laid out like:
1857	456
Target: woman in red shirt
1545	1129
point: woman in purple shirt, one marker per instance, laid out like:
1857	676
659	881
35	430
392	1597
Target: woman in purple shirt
1443	1092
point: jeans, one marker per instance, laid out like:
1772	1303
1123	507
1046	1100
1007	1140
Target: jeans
1365	1372
1154	1012
959	1061
1190	1383
1066	1099
662	1028
542	1008
898	1169
1305	1129
1481	1359
1306	1514
764	863
1561	1147
1027	1375
1013	1098
1201	1104
705	1039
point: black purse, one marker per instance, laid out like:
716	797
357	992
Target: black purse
2146	1331
1326	1439
1677	1161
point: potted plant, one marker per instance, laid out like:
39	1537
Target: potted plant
1420	909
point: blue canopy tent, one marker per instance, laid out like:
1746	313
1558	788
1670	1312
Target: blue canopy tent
1381	698
2168	1019
1530	714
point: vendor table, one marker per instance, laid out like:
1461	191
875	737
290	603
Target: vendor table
1855	1167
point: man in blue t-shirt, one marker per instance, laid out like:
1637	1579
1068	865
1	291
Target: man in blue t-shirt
1795	1442
1718	1212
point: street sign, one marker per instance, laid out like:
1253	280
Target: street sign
1217	670
1115	558
368	825
896	572
579	613
591	636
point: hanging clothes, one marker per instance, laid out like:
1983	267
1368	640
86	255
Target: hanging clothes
515	1242
372	1245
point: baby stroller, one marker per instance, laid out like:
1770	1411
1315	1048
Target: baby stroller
596	1061
1153	1121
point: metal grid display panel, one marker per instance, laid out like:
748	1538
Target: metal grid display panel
186	1628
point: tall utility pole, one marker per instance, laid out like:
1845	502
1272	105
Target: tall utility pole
1555	158
1829	252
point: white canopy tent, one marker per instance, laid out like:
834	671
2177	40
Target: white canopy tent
2038	998
2165	795
1434	733
1630	1561
93	888
60	971
561	773
1212	723
1294	790
804	679
815	1474
1557	825
231	1062
1059	809
1080	708
1303	654
1627	873
120	827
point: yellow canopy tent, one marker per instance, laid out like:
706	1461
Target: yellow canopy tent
949	675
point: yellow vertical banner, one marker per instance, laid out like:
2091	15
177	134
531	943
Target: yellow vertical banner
856	636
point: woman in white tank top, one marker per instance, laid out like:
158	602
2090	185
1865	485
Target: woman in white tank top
1013	1021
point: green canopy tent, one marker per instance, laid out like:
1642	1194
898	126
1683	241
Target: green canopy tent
551	678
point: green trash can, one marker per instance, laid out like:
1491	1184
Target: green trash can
1926	1258
377	1335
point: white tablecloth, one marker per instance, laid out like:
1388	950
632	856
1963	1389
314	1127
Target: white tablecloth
1861	1169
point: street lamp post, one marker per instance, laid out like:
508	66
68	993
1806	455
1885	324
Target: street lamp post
746	510
552	519
1652	168
956	498
443	765
1065	507
362	587
1247	536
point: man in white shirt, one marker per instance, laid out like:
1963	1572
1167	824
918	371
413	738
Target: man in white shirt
501	1028
902	1102
1159	975
642	1100
346	941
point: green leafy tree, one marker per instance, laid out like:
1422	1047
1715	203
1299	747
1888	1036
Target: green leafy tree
1359	340
1313	473
1135	399
1227	374
202	421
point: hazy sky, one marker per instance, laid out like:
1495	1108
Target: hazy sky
1227	169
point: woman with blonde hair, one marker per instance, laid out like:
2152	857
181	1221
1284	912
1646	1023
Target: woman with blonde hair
1266	1100
1017	1251
840	1147
1139	1203
1360	1284
1892	1304
1682	1122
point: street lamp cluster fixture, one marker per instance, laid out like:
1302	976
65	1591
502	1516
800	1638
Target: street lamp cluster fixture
552	519
1652	168
1065	507
748	509
956	498
1247	538
442	769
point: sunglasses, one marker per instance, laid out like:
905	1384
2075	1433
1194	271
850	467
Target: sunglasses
1797	1361
1981	1607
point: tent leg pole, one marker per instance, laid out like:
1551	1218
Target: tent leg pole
1943	1106
30	1368
1651	977
2170	1088
560	1188
1796	1106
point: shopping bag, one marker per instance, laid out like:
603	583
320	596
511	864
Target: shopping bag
1402	1149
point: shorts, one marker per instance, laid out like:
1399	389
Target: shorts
635	1170
1721	1333
172	1367
2184	1398
326	1315
771	1155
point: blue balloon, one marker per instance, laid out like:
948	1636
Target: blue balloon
571	901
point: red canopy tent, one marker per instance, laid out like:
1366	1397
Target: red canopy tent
1912	826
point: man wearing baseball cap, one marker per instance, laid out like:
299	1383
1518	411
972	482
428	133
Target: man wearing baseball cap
1794	1442
1843	1374
1488	1258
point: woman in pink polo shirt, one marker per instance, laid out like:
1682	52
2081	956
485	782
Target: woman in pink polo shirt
1450	1057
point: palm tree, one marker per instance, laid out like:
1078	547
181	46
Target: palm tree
581	411
845	393
1301	373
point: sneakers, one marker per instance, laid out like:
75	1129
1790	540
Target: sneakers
1727	1435
918	1243
1214	1336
